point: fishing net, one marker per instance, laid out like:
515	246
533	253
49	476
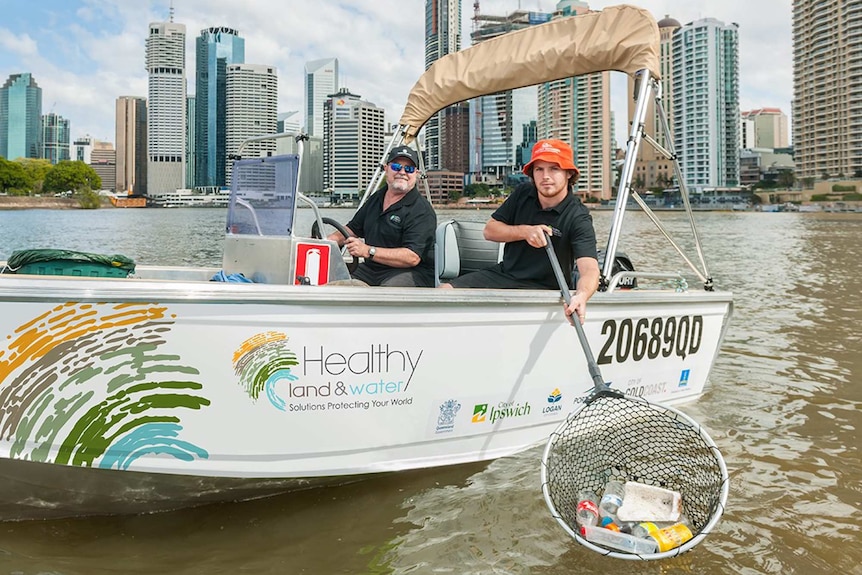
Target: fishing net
611	436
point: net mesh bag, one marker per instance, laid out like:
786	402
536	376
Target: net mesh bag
612	436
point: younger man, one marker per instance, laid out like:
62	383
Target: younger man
544	205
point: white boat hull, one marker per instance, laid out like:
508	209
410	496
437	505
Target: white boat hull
247	381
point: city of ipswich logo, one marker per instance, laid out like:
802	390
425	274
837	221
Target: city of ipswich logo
505	409
480	413
446	418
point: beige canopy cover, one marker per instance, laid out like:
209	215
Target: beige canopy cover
623	38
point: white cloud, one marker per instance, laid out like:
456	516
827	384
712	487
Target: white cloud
22	44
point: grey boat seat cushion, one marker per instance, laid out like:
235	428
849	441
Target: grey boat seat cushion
461	247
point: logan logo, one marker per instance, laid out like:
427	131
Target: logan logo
554	403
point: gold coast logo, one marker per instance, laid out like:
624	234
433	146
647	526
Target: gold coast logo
379	372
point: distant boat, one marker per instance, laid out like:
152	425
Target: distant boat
811	208
190	198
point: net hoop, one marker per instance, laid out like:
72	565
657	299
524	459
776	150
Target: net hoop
710	483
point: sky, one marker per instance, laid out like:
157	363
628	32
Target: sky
86	53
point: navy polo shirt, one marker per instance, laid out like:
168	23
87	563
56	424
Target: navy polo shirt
408	223
576	239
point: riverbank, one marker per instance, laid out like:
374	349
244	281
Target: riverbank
30	203
43	203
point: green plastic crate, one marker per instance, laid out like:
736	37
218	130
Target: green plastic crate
72	268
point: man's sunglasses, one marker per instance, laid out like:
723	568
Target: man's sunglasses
396	167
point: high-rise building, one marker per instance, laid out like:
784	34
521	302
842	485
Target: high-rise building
764	128
498	120
352	144
652	168
321	80
455	155
55	138
706	103
82	149
131	156
103	160
100	156
442	37
20	117
827	88
166	111
215	49
191	141
288	122
311	170
577	111
252	110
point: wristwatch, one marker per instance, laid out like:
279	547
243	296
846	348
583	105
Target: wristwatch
371	253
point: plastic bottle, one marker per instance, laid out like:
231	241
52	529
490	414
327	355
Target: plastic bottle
673	536
647	528
608	523
612	498
617	540
588	509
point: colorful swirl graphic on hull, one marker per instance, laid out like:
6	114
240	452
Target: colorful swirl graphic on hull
89	385
261	362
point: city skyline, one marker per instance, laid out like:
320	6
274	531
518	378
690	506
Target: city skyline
82	81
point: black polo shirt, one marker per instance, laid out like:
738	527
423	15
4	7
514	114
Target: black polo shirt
576	239
408	223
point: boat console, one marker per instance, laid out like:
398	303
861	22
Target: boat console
260	242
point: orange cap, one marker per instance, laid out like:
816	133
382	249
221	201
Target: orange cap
554	151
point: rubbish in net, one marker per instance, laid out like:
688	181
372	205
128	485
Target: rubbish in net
612	436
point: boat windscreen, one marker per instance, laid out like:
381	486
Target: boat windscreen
263	196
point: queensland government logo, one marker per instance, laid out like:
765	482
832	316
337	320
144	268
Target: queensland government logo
446	417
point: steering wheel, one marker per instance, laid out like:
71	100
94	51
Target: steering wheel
315	233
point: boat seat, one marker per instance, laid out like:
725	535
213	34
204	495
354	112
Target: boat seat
461	248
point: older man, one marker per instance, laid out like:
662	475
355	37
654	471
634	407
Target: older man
394	229
544	206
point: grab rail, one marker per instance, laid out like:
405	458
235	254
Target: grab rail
314	208
250	208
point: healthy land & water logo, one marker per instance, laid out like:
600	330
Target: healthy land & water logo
320	378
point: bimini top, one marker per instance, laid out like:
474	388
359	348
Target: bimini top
622	38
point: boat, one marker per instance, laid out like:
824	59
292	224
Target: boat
161	388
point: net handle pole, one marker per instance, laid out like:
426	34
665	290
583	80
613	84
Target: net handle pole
592	366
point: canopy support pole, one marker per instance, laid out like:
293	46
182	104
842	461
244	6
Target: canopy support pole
644	83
